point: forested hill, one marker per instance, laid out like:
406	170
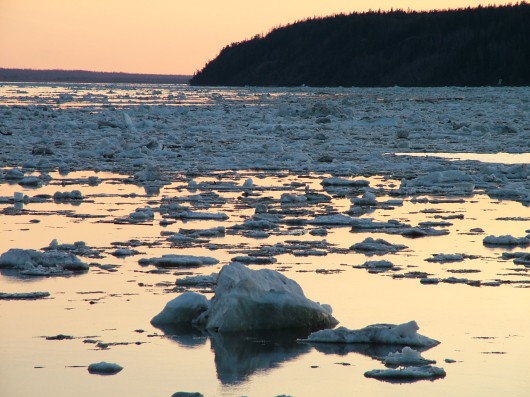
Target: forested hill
465	47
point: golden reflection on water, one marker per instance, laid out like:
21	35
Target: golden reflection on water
486	329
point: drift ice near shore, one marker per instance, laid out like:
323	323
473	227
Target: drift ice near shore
248	300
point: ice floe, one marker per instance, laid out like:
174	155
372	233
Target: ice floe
173	260
403	334
249	300
23	295
407	373
34	263
370	246
104	368
506	240
406	357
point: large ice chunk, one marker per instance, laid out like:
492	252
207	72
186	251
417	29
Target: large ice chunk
402	334
263	299
248	300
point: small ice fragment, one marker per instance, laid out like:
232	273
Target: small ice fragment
407	357
407	373
18	197
172	260
104	368
378	246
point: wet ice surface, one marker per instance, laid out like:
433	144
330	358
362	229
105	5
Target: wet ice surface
295	181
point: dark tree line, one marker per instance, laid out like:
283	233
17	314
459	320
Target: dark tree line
82	76
465	47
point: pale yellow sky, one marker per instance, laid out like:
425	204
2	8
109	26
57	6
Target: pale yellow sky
155	36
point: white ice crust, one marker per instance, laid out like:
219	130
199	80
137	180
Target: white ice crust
405	334
406	357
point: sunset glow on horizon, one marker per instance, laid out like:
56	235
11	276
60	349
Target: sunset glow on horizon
157	36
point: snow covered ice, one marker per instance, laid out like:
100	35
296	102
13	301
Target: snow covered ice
389	334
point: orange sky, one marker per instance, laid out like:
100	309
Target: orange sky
155	36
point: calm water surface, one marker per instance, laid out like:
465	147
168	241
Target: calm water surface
485	329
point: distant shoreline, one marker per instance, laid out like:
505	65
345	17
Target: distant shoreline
83	76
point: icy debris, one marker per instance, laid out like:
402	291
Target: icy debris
179	238
287	198
104	368
376	247
200	215
506	240
376	266
449	181
370	224
78	248
74	195
150	173
199	280
34	263
333	220
519	258
182	310
257	224
345	182
123	252
446	258
128	122
13	174
31	181
248	184
415	232
255	260
141	215
457	280
367	199
23	295
256	234
247	300
407	373
59	337
172	260
403	334
407	357
218	231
